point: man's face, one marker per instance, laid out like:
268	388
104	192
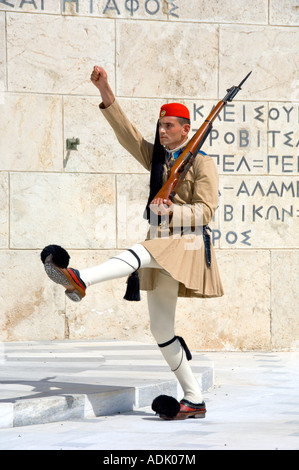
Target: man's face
172	134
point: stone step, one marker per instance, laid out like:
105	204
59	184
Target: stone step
49	381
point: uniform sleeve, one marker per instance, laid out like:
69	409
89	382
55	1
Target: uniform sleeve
202	203
127	134
206	187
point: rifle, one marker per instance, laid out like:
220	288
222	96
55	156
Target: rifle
184	162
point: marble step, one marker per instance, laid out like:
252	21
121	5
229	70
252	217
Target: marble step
51	381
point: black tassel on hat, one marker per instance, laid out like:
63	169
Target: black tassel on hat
157	170
156	177
159	156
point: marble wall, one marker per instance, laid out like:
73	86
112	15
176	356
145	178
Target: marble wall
90	200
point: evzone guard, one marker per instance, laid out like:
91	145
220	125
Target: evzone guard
167	267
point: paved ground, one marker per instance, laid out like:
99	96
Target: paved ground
253	404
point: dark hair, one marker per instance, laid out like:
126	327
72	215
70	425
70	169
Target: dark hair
184	121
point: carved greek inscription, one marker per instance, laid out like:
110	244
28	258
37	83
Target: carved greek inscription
37	4
260	140
256	149
120	7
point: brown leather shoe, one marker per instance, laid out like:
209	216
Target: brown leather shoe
189	410
67	277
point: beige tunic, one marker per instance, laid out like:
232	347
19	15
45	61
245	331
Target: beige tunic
197	199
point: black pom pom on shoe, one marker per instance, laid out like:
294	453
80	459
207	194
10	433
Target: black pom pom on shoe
166	406
60	256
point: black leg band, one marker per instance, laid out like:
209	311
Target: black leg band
136	256
163	345
183	344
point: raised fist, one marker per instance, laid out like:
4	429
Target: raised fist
99	77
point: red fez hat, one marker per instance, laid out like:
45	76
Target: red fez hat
174	109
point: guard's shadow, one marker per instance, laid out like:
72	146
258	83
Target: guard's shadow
47	387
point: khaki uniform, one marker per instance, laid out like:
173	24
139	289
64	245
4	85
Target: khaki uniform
183	258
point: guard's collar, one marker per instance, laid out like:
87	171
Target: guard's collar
173	154
178	148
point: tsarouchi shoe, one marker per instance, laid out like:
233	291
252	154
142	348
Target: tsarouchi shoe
67	277
190	410
169	408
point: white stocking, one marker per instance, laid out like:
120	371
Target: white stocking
122	265
162	304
